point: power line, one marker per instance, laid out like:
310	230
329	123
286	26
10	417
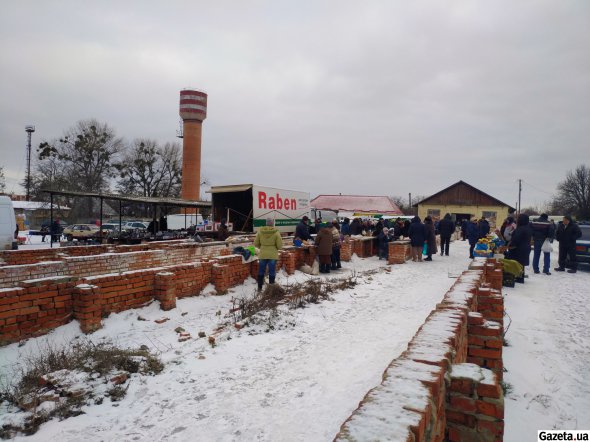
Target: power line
538	189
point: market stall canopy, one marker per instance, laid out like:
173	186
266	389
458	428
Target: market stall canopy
357	204
160	201
36	205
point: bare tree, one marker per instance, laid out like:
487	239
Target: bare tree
573	193
2	180
150	170
404	203
86	157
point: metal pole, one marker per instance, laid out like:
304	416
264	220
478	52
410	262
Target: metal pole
51	220
29	129
100	229
519	192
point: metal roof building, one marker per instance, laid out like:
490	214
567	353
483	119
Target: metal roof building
357	204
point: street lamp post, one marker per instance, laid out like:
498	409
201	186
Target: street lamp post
29	129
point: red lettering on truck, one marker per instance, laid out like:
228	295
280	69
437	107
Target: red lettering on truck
276	202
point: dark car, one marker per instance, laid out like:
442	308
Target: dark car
583	244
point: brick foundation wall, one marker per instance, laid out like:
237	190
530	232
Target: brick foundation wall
105	260
432	392
35	308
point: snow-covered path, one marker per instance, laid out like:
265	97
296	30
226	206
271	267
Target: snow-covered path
297	383
548	360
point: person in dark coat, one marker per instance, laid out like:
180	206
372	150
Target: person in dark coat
472	234
345	229
430	238
302	230
568	232
484	227
543	230
446	228
324	242
318	225
520	244
384	238
55	230
464	226
336	243
222	231
398	229
406	228
356	228
417	234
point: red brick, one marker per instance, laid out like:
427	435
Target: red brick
463	404
491	391
485	353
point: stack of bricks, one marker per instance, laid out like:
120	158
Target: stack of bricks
364	247
475	405
287	261
165	290
485	343
346	250
416	402
87	307
34	308
399	252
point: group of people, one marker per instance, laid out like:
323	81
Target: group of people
473	230
423	236
328	241
541	232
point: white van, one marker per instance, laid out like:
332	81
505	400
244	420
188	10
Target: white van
7	224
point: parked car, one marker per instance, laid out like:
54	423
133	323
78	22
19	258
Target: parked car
81	231
134	225
583	244
110	227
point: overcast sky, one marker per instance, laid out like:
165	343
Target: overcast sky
380	98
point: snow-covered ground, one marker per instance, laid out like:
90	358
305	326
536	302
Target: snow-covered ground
35	241
303	379
548	357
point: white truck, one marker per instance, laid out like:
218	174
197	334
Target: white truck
245	207
7	224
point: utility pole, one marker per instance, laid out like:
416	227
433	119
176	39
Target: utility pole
519	192
409	202
29	129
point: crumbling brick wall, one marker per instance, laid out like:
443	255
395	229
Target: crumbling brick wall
432	392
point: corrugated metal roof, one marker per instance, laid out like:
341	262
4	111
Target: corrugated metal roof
174	202
356	203
36	205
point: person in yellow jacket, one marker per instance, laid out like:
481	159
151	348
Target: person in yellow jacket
268	240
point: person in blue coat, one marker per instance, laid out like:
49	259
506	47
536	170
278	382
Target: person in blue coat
345	229
417	234
472	233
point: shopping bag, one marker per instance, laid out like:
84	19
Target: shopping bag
425	249
547	247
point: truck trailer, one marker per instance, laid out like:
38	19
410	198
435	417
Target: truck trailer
246	207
